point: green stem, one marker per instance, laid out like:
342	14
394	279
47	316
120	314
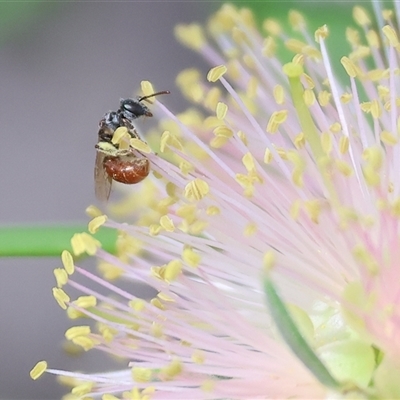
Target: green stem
47	240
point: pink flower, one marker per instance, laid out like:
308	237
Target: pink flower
282	169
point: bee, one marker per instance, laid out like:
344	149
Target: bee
120	164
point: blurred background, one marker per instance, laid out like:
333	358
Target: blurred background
62	66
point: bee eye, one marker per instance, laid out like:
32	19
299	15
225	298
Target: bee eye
134	108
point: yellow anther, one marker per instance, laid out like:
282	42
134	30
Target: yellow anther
321	33
172	270
165	297
309	97
92	211
108	396
376	111
269	260
295	209
213	210
68	262
243	137
324	98
248	162
216	73
82	389
223	130
361	16
276	119
344	144
279	94
388	138
76	331
95	224
174	368
387	15
196	189
38	370
83	242
296	20
191	257
350	67
295	45
121	134
147	88
365	258
252	87
343	167
218	142
137	305
86	301
191	35
167	223
140	145
141	375
198	356
272	27
61	297
326	142
373	39
346	98
61	276
269	47
250	229
391	35
313	209
221	110
267	156
169	140
154	229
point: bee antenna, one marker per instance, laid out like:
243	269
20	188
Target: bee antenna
154	94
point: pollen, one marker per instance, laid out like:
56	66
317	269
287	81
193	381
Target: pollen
147	88
196	189
61	297
221	110
321	33
95	224
172	370
93	211
169	140
38	370
121	134
68	262
141	375
216	73
351	69
83	242
391	34
172	270
85	301
223	131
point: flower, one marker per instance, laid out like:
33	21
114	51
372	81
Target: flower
281	175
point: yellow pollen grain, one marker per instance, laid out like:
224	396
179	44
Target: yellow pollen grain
76	331
196	189
61	276
167	223
140	145
221	110
267	156
277	118
190	257
223	131
172	270
326	142
68	262
248	162
361	16
141	375
95	224
216	73
309	97
120	134
388	138
82	389
191	35
343	167
344	144
86	301
61	297
321	33
38	370
391	35
279	94
269	260
92	211
324	98
349	66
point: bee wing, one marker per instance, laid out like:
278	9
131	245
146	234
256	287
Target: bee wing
102	182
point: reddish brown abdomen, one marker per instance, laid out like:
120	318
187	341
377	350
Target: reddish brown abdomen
127	171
